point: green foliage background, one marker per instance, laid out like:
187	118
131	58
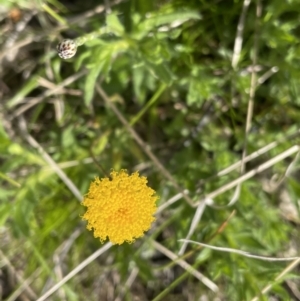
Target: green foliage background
167	66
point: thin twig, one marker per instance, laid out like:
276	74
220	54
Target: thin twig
128	283
50	86
13	36
255	154
75	271
105	173
48	159
291	266
97	10
58	258
267	75
171	201
17	45
207	282
69	164
16	294
47	93
246	254
287	172
249	117
195	221
24	284
251	173
252	88
107	7
220	229
222	226
239	35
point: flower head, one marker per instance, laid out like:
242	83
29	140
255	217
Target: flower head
66	48
120	208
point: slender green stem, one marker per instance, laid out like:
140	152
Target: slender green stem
8	179
52	13
90	36
149	104
175	283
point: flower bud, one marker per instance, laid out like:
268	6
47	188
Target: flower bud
66	49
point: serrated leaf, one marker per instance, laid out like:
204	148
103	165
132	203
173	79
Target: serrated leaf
104	58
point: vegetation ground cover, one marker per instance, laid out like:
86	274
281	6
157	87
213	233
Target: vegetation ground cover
201	97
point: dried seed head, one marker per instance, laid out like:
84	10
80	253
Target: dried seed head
66	49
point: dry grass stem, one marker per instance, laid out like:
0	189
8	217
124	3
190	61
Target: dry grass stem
196	219
252	173
133	274
207	282
239	35
171	201
235	251
75	271
48	159
290	267
257	153
25	284
45	94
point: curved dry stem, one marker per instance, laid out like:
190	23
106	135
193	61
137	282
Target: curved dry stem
243	253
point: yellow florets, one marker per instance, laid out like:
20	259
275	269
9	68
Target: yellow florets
120	208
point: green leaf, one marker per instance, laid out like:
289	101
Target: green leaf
154	21
5	212
23	213
80	60
103	56
30	85
100	144
138	79
161	71
114	25
90	83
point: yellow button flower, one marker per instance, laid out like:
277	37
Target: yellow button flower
120	208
